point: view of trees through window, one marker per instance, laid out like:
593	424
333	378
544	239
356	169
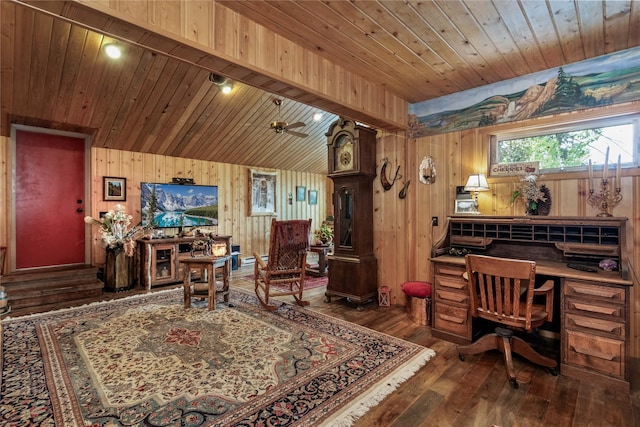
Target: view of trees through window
570	150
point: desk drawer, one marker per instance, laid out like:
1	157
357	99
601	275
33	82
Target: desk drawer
594	292
593	325
603	355
594	308
452	283
452	319
450	270
447	295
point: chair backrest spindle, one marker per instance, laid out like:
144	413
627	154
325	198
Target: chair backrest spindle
496	286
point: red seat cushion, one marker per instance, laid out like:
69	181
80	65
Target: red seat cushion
417	289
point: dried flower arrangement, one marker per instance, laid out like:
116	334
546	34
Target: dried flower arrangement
114	227
537	200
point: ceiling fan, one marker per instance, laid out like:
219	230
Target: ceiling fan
283	127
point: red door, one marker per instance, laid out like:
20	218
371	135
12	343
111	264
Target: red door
50	190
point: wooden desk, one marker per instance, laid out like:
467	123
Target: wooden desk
594	307
207	266
322	251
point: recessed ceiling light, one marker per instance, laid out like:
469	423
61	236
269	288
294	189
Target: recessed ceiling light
112	50
317	117
227	88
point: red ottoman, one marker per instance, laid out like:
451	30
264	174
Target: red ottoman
418	301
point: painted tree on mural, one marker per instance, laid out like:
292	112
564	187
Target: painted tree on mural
567	96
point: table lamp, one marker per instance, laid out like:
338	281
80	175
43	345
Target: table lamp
476	183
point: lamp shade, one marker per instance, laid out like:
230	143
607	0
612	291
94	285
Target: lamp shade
477	182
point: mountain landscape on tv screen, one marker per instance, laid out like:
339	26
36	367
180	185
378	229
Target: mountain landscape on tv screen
180	205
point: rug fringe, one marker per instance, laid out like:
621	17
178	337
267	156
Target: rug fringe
360	406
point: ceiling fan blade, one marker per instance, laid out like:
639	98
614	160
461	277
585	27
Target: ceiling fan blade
295	125
294	133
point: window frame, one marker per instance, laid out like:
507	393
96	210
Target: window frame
561	127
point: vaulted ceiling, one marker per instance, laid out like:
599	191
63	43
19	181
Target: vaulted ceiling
54	73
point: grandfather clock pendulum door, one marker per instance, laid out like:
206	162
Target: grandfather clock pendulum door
352	167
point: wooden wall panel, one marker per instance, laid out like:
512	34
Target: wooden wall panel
457	154
389	230
5	193
251	233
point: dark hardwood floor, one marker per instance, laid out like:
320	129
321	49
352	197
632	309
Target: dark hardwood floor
450	392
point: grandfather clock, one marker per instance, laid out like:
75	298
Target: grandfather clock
352	167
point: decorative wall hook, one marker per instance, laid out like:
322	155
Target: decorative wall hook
427	172
386	183
403	192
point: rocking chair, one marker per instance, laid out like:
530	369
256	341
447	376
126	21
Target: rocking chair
284	272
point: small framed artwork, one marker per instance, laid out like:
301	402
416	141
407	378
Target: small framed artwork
313	197
114	188
263	192
300	193
465	206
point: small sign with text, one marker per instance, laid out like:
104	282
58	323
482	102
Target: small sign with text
510	169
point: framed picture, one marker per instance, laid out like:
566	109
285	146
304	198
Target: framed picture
114	188
313	197
300	193
465	206
263	192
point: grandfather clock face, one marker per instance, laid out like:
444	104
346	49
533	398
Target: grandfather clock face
343	155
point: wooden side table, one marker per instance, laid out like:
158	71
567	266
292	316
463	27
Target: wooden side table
206	264
322	251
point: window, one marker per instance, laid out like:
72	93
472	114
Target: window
569	147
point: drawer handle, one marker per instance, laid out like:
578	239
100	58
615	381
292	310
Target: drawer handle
451	319
593	353
596	292
594	309
597	326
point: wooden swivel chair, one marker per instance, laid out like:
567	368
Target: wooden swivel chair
502	291
284	272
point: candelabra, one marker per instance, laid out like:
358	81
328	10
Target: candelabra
607	199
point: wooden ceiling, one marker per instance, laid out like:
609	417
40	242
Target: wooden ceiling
426	49
54	73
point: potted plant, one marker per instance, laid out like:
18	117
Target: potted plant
323	235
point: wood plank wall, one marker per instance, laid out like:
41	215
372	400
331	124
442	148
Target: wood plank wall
404	234
250	232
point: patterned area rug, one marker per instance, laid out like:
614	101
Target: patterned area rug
146	361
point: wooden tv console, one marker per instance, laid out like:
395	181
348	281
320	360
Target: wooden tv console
594	306
159	259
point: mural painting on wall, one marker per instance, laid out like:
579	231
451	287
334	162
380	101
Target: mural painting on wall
609	79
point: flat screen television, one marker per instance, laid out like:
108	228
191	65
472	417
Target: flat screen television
179	205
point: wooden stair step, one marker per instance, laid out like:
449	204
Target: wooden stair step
45	287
